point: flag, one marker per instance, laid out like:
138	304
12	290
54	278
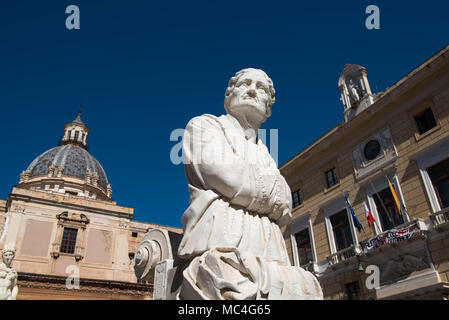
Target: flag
354	218
368	213
397	205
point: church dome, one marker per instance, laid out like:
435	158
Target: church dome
70	159
77	162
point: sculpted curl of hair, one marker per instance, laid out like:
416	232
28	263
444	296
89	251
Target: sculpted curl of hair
7	250
234	80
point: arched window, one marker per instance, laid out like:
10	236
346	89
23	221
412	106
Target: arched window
77	133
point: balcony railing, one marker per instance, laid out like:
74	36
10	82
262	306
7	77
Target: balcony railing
393	236
440	219
343	255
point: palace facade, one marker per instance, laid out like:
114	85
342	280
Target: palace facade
72	240
398	136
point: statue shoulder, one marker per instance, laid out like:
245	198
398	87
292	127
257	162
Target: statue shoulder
204	121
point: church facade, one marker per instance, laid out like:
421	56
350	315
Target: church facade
72	240
387	164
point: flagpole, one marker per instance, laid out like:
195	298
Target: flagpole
402	205
375	220
352	216
383	205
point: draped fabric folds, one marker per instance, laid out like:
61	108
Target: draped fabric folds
238	198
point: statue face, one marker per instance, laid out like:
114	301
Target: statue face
7	257
251	94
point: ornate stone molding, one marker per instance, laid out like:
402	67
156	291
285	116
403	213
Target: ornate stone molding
386	154
19	209
78	220
25	176
51	282
70	220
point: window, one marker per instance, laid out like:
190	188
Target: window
69	134
77	133
341	230
331	177
304	247
70	235
439	175
131	255
391	217
353	290
425	121
297	200
134	234
68	240
72	193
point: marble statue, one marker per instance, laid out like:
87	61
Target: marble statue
354	93
232	240
8	276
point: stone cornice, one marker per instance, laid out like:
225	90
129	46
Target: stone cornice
67	181
44	281
71	203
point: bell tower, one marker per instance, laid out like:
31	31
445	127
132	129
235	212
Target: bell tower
355	90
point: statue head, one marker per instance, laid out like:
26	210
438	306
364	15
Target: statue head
252	89
7	256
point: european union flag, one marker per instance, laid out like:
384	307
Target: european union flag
354	218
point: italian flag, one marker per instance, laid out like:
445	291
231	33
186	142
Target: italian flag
368	213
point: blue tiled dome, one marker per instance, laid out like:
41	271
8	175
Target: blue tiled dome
76	161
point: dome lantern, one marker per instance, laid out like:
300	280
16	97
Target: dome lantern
75	132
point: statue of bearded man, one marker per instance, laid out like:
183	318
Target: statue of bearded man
8	276
238	199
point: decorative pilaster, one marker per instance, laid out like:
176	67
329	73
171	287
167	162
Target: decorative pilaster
51	170
60	171
25	176
95	178
89	176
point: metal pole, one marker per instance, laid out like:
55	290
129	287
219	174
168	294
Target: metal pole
383	205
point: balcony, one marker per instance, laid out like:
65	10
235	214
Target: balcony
440	219
406	231
345	255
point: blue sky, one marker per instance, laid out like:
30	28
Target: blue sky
144	68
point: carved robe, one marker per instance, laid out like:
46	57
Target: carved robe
8	283
231	228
